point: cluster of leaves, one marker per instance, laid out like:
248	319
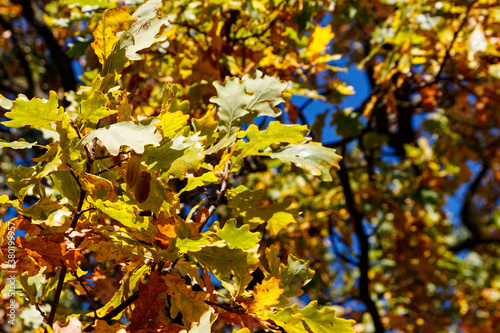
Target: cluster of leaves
421	142
148	250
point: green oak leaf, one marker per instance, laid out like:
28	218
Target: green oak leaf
21	179
185	300
203	180
294	276
126	133
189	162
324	320
141	35
267	94
173	162
234	237
206	125
146	28
49	162
42	209
181	141
240	101
161	158
223	143
195	244
66	184
222	261
171	122
259	141
232	100
312	157
17	144
290	321
94	108
205	323
159	199
123	213
33	286
170	102
246	203
35	112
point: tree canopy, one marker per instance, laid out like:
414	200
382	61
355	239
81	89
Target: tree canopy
255	165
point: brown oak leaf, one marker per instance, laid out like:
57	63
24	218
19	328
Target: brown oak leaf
148	305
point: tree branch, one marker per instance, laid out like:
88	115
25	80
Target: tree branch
363	264
475	237
57	296
21	55
89	296
59	57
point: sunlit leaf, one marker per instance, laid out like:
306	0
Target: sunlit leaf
187	301
17	144
234	237
35	112
232	99
324	320
259	141
94	108
136	136
311	157
113	21
266	295
320	38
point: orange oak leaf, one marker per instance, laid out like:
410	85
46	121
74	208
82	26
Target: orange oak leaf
166	229
51	250
242	320
163	328
209	285
150	301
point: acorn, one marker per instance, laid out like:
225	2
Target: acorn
143	186
133	170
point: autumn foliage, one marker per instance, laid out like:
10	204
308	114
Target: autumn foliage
200	171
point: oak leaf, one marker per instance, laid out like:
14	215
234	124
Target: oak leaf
150	302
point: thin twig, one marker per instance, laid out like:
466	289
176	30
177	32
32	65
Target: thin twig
37	307
221	192
448	51
111	167
91	299
76	216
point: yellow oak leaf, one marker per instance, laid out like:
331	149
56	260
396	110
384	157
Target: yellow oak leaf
114	20
320	38
266	295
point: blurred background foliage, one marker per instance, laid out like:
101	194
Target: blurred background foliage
406	236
